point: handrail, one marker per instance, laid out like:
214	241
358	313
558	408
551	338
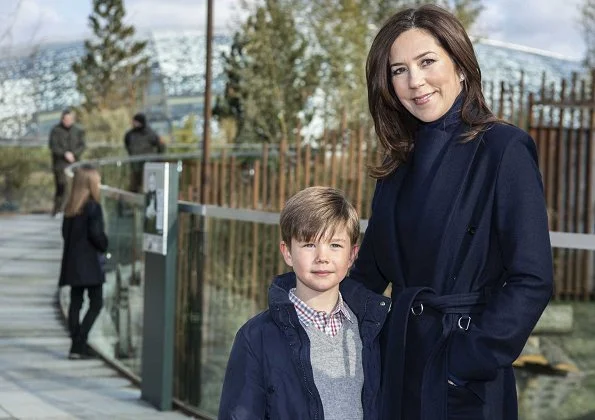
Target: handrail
565	240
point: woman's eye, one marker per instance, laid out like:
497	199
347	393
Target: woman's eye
427	62
397	70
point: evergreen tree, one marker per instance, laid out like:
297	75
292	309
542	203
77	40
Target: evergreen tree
114	71
274	68
271	75
229	106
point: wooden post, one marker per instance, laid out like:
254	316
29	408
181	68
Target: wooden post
256	186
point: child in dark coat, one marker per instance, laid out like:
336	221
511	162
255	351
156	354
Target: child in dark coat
314	354
85	244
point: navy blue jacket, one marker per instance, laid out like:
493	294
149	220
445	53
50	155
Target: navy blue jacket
84	242
469	299
269	374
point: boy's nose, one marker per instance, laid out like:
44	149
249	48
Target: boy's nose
321	258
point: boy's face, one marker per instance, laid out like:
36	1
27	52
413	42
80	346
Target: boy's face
320	266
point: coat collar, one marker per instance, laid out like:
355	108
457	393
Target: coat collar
448	121
365	304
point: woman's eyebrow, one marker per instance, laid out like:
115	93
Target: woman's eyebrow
417	57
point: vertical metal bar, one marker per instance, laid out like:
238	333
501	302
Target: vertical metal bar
206	139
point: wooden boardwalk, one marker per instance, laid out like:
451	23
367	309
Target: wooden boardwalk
37	381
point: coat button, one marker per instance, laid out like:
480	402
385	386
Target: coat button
382	303
471	230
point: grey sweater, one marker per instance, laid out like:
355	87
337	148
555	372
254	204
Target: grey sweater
338	372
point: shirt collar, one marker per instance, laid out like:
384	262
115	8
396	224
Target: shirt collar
310	313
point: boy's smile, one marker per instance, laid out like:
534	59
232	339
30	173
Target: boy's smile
321	265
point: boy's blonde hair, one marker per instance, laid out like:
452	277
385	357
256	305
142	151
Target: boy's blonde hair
317	212
85	186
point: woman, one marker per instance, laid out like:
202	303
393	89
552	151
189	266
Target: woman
85	243
459	227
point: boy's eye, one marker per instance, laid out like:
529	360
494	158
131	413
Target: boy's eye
308	245
336	246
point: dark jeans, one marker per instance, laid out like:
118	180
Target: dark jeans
79	331
60	183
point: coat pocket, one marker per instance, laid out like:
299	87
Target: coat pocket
464	403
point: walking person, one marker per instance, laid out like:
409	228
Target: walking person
85	245
67	144
458	226
140	140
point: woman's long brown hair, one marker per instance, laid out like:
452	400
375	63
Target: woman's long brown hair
85	186
394	125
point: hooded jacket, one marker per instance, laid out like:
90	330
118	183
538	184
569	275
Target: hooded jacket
269	374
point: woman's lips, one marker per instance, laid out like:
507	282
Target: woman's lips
420	100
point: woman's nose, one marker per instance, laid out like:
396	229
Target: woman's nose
415	79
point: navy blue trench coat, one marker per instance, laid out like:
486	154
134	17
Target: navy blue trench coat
492	280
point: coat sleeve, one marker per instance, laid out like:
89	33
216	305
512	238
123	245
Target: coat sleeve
157	143
79	144
243	396
127	142
365	269
520	221
56	143
96	230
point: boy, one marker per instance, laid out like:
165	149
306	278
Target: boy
314	354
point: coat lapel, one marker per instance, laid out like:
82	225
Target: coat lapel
441	216
467	198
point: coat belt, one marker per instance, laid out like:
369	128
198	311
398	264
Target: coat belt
456	312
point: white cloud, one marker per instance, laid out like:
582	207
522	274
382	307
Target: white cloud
41	20
551	25
182	14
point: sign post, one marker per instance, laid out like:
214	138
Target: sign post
160	247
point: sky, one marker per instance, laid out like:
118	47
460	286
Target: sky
547	25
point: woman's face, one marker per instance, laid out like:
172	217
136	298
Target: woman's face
423	75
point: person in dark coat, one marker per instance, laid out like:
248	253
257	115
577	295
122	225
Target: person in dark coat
315	353
85	245
67	144
458	227
140	140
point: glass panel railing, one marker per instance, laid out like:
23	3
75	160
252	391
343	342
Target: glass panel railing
214	300
225	267
123	290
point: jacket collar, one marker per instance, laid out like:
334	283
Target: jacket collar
365	304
